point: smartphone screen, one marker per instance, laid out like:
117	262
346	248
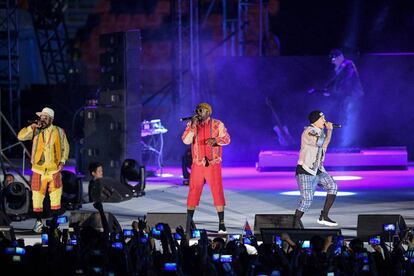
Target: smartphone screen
278	241
234	237
62	220
247	240
45	239
128	233
196	234
170	267
306	244
226	259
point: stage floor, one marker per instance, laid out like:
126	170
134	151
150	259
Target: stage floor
249	192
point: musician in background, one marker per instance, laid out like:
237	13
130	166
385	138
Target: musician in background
345	90
206	137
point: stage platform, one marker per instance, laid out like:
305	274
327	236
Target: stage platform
383	158
249	192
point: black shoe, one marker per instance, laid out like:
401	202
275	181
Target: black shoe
222	229
325	220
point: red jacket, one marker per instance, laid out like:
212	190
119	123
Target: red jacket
198	136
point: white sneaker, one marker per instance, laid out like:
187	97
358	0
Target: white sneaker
327	222
37	228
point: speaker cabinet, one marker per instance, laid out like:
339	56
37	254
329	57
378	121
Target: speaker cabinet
93	219
370	225
273	221
172	219
268	234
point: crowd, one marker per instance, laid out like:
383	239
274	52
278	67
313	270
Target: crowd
142	250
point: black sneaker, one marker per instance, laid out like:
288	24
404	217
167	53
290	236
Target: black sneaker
222	229
325	220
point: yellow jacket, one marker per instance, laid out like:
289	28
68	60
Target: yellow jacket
50	147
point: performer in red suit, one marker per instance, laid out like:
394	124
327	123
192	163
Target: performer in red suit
206	136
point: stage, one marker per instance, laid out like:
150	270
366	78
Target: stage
249	192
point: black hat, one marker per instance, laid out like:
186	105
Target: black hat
314	116
335	53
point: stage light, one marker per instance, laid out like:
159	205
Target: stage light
347	177
317	193
16	200
130	174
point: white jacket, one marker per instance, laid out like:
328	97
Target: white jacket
314	143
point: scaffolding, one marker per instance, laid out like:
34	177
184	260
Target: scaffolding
246	34
9	61
52	39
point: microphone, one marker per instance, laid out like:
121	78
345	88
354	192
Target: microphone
187	118
336	125
32	121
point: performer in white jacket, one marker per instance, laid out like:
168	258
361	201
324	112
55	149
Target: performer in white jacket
310	171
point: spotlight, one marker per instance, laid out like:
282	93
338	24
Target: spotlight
130	174
16	200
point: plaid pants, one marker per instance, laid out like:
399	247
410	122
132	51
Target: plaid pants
307	185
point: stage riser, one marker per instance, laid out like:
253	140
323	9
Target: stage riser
381	158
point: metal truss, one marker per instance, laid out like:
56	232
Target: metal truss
52	38
9	60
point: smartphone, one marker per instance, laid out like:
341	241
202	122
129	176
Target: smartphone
226	258
128	233
375	240
62	220
389	227
97	269
117	245
278	241
45	239
362	256
170	267
306	244
339	243
159	227
20	250
196	234
234	237
155	233
247	240
330	274
69	248
17	258
144	238
177	236
216	257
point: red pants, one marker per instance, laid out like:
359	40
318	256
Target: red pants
212	174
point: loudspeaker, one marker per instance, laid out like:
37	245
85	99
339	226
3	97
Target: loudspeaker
111	130
268	234
372	225
7	232
107	189
273	221
93	219
172	219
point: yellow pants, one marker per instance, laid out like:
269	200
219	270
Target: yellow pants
41	185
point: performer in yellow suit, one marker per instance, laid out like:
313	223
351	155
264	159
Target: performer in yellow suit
50	150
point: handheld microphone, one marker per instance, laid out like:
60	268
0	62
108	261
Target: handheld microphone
336	125
32	121
187	118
